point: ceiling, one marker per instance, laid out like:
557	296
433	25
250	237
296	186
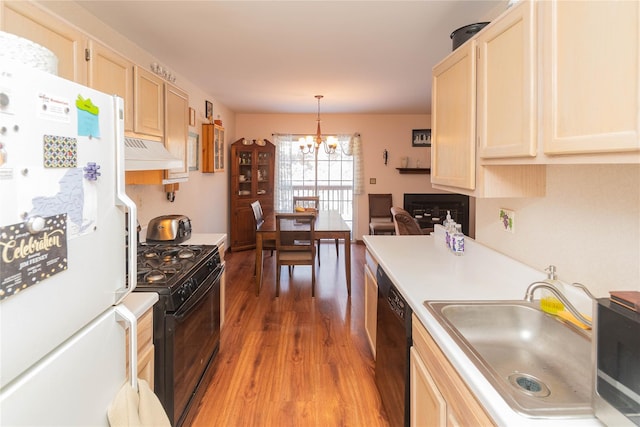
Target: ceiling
369	57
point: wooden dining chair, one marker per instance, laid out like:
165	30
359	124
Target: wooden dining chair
312	202
267	245
380	218
295	239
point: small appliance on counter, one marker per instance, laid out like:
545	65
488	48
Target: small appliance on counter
617	356
173	229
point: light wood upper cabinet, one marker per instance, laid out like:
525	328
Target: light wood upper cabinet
453	130
27	20
213	148
177	128
148	113
454	161
112	73
591	76
506	79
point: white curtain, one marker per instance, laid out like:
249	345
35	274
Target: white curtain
286	150
355	150
288	153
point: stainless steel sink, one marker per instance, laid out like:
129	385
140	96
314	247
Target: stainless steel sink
539	364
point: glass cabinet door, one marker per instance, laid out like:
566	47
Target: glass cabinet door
218	148
264	177
245	172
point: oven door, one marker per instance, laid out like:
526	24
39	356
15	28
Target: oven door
193	333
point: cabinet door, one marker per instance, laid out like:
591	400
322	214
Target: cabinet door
109	72
243	180
428	407
243	230
264	173
26	20
176	128
506	79
148	103
207	148
462	408
453	121
591	76
370	307
218	148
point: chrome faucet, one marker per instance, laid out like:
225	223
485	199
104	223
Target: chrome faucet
528	296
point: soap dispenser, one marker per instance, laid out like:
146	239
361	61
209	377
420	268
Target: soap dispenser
447	224
548	302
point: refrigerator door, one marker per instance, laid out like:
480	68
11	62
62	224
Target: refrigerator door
62	213
75	384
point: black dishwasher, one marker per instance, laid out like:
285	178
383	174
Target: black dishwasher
393	341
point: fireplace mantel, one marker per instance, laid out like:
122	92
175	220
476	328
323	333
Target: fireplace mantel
425	171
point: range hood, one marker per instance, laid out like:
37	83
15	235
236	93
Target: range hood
144	154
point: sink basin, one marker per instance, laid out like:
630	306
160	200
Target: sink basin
538	363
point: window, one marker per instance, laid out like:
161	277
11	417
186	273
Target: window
296	175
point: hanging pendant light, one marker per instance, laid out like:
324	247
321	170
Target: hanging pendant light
310	144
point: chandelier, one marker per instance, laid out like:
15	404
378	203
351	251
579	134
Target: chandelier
309	144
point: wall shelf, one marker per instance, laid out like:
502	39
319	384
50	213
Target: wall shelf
424	171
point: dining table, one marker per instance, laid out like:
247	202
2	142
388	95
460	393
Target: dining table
328	225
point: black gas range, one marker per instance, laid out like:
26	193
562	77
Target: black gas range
174	271
186	321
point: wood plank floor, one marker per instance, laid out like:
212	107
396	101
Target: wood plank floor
293	360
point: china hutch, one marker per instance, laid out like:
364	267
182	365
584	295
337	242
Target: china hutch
252	178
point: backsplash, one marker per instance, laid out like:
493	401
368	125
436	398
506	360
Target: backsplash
588	225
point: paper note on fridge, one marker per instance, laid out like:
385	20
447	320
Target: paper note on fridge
88	118
29	258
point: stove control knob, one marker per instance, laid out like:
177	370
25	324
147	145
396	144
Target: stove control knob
183	293
4	100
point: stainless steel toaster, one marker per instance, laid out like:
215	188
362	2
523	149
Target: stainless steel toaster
169	229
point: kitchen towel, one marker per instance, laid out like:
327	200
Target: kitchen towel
137	409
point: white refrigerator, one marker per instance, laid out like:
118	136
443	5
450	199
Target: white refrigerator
64	261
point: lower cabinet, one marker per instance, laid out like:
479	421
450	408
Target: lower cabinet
428	407
370	302
439	397
145	347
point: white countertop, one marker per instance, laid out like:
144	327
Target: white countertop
422	268
195	239
139	302
206	239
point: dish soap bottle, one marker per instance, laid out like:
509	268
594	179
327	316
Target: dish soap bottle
549	303
447	229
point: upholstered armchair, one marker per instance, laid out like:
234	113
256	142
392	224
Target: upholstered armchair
404	223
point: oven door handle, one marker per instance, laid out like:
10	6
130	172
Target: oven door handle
185	309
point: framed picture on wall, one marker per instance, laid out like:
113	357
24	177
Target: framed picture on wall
193	151
421	138
208	110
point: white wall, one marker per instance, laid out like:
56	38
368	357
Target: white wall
588	226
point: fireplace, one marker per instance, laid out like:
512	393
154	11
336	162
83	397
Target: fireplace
430	209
